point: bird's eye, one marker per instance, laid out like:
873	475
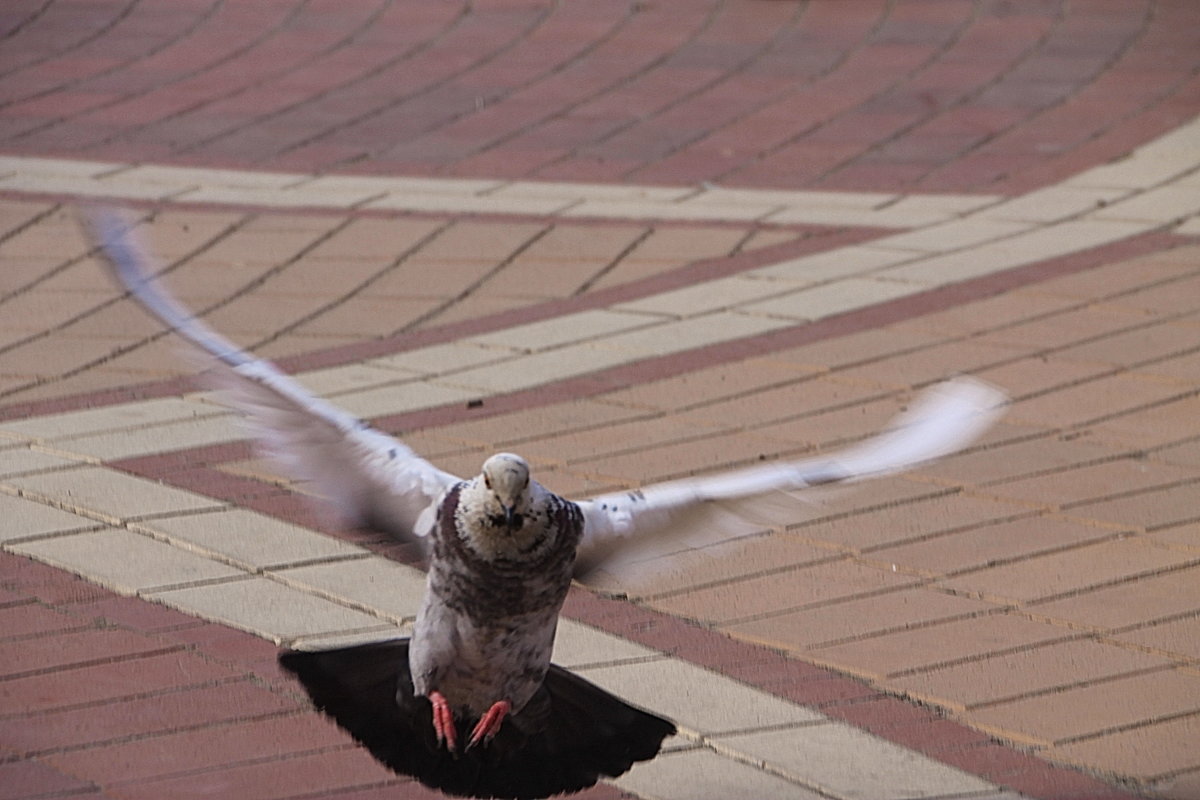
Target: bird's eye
487	481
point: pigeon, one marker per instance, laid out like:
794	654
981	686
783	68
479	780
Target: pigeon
470	704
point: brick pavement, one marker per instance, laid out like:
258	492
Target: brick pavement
1036	594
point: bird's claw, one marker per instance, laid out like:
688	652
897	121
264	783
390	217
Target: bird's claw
489	724
443	722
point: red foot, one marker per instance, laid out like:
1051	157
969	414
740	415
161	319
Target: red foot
443	721
489	724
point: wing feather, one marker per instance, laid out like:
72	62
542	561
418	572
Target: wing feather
369	478
623	529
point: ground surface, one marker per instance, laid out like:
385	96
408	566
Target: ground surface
653	239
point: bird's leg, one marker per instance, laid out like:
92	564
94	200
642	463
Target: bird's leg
443	721
489	724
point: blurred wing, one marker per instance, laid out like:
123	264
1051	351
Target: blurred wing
371	479
623	528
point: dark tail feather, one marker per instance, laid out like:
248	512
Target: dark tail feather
583	734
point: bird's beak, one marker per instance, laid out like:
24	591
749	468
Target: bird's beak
512	520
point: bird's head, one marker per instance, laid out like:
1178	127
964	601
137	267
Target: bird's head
506	476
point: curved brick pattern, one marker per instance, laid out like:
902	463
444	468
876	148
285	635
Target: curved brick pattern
968	95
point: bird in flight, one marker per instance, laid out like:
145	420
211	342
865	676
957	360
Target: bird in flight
470	704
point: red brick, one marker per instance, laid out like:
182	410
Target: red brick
159	713
133	612
108	681
66	650
23	779
206	748
277	778
32	618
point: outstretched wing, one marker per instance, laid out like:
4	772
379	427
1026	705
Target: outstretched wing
624	528
370	479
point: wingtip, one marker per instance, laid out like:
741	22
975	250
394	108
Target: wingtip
112	231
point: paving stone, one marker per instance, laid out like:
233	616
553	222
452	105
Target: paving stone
207	748
26	519
269	780
854	618
1068	571
834	298
1088	710
702	774
1070	487
134	718
1037	669
23	460
1129	603
385	587
696	698
124	561
576	644
66	650
807	585
106	682
143	441
1147	753
266	608
397	399
926	647
110	495
107	418
990	544
559	331
847	762
1175	638
249	540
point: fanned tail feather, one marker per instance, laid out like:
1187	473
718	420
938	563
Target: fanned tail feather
588	733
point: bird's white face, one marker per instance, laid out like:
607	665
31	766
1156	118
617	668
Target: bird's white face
506	476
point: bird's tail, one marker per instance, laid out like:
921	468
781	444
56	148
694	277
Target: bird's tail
580	732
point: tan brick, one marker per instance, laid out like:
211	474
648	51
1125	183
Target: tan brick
1146	753
696	568
1048	333
1152	509
908	521
1072	486
929	646
1182	786
1179	637
1073	713
782	403
1090	401
768	594
933	363
850	619
845	351
1183	368
635	435
364	317
1016	459
1038	374
832	427
748	380
1169	298
986	545
1134	346
1001	310
1161	424
1036	669
1121	276
1129	603
1069	571
698	455
1185	536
